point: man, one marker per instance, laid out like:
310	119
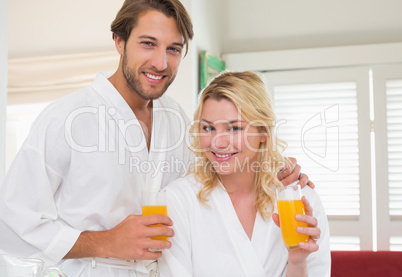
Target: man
72	196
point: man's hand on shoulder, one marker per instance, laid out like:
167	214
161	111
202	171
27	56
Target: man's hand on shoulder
291	172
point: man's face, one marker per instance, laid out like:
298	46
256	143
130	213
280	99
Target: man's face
152	55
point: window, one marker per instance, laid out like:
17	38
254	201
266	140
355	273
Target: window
324	115
365	212
387	84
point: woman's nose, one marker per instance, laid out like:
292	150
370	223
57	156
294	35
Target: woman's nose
221	140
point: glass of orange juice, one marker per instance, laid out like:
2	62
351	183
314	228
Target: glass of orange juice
289	204
154	202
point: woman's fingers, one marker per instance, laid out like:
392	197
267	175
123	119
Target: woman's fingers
307	207
311	221
314	233
275	218
310	246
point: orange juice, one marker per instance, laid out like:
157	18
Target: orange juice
150	210
287	210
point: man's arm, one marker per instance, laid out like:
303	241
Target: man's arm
130	240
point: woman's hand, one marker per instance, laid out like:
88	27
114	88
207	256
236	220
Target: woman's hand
297	256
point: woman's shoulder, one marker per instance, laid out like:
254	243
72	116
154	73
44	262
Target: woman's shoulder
313	197
184	185
307	191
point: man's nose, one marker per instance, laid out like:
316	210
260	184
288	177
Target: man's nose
159	60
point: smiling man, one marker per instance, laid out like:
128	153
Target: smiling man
72	198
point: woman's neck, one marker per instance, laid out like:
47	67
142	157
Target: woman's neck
242	195
239	183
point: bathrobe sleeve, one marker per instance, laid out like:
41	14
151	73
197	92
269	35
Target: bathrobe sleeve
319	263
29	221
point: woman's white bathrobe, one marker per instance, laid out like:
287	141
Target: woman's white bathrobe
210	241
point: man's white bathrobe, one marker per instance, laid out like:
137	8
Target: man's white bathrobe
210	241
83	167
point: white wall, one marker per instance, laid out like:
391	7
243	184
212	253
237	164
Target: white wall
43	27
205	16
3	83
207	20
183	89
266	25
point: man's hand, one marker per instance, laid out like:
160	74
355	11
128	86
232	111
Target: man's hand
129	240
291	172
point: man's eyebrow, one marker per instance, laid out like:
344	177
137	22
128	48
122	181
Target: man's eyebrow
147	37
178	44
155	39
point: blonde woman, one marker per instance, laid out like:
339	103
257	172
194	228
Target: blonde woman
223	212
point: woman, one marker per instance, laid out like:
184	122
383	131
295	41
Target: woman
223	212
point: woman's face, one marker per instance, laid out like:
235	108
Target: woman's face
229	142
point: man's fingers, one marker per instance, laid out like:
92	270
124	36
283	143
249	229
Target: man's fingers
291	177
291	162
154	231
156	219
310	184
303	179
159	244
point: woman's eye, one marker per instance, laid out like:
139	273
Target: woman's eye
236	128
207	128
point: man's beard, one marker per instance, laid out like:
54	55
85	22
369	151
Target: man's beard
134	83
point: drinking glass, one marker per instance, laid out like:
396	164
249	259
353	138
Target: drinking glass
289	204
154	202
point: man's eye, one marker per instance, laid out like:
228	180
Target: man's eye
175	50
147	43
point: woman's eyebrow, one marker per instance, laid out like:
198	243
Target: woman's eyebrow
224	121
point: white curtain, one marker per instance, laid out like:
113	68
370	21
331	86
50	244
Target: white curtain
40	79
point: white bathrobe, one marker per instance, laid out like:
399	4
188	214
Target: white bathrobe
210	241
83	167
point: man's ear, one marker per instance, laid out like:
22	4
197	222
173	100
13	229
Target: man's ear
119	43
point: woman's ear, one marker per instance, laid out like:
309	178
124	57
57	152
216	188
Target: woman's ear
264	134
264	137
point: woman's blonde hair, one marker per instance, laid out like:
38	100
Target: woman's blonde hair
247	91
